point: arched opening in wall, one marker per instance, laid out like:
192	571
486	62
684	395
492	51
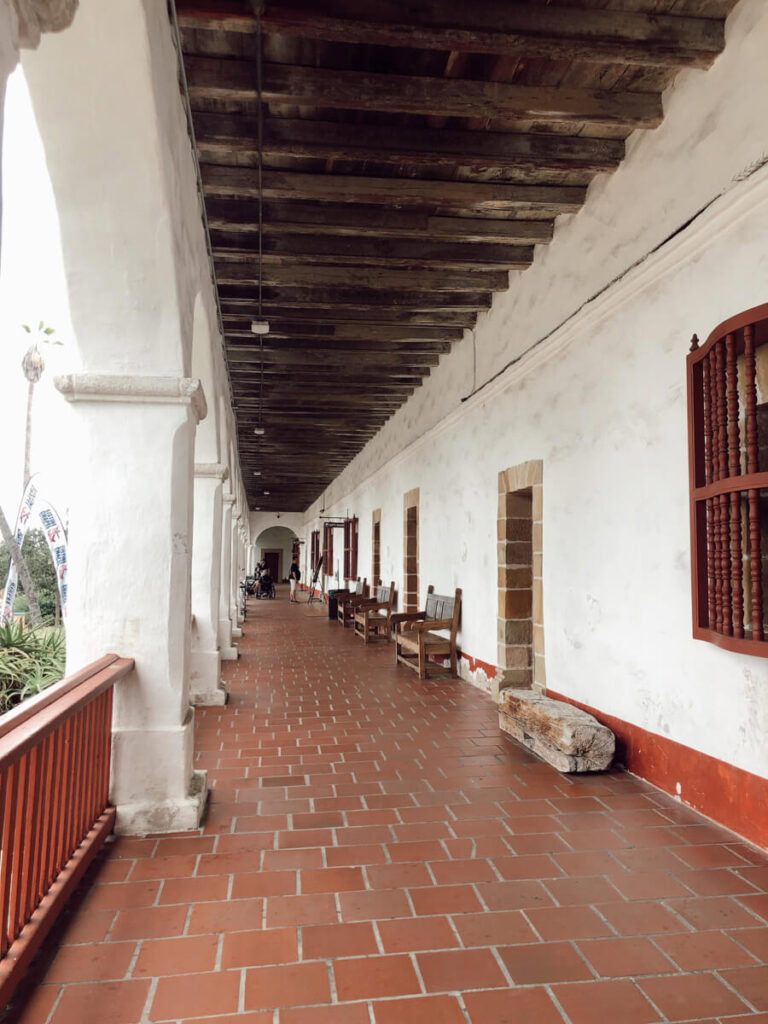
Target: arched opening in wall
520	615
38	341
376	548
275	547
411	550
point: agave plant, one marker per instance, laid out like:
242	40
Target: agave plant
30	660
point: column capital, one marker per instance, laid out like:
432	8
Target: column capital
217	470
228	499
107	387
38	16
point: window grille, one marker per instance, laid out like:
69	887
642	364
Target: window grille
728	466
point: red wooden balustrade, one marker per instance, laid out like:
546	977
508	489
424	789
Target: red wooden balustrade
54	805
725	484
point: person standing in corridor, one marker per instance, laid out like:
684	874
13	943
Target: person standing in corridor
294	576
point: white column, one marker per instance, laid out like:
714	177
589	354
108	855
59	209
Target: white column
228	650
206	685
129	582
234	576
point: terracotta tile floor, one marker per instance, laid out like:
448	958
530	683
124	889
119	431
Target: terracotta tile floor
376	852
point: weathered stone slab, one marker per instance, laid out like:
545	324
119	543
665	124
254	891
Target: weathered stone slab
566	737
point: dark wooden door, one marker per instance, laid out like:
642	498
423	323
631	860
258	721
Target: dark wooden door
272	559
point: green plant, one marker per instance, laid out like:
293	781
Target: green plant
30	660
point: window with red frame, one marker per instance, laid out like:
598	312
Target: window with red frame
350	548
328	550
315	549
728	467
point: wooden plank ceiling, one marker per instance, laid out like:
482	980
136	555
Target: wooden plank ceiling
414	152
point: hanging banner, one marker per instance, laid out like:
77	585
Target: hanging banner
35	510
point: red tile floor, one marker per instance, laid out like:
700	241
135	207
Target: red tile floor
376	852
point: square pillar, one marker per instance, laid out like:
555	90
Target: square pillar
234	579
226	647
129	582
206	686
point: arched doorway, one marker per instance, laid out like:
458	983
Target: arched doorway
275	546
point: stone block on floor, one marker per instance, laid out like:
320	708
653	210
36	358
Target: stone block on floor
564	736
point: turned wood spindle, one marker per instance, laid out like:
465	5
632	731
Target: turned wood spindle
734	469
710	504
722	499
753	510
717	579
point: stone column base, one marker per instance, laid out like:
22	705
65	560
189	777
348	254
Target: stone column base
229	653
184	815
205	685
216	697
237	632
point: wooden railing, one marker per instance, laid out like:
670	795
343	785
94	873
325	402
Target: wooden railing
54	805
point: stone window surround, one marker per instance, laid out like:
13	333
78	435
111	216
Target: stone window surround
520	638
410	553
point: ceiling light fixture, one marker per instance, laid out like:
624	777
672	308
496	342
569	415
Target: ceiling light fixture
258	431
266	493
257	472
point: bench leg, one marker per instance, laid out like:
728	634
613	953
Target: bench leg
453	661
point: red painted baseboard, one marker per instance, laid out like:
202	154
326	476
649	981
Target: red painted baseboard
728	795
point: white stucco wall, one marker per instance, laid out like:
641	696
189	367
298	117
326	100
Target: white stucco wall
600	398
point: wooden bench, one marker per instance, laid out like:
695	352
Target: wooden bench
346	602
372	618
416	638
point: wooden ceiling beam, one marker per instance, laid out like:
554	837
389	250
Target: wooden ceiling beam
322	345
488	26
348	219
373	302
362	278
242	183
281	328
233	81
294	357
330	314
288	249
220	136
250	376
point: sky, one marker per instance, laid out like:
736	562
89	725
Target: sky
32	288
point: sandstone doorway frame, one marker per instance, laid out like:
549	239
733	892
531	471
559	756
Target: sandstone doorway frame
520	624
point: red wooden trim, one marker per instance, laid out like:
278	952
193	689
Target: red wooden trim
730	326
730	796
731	483
16	961
757	648
32	730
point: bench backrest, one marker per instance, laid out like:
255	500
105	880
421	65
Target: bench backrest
386	595
441	606
360	588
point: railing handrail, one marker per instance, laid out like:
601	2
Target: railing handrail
24	727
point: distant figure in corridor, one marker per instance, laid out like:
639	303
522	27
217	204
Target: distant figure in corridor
294	576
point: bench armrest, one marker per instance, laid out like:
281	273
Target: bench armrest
426	625
400	617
